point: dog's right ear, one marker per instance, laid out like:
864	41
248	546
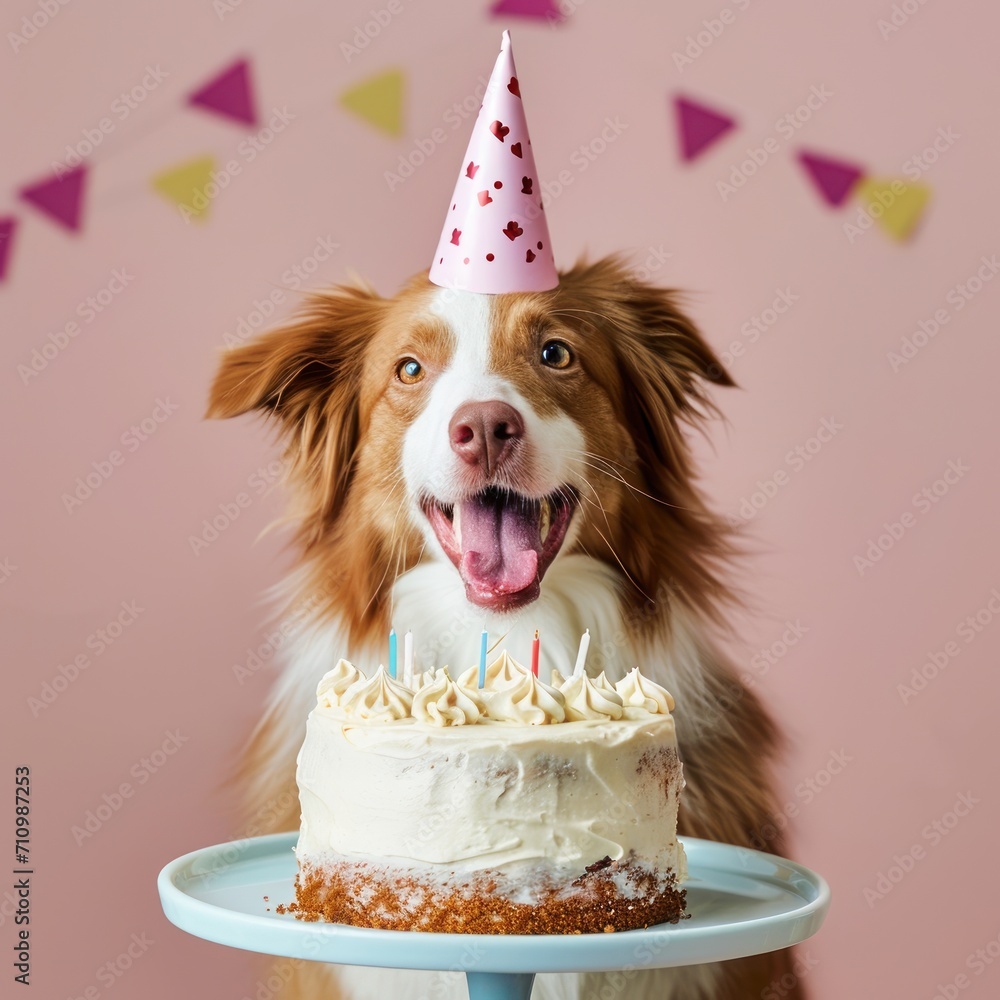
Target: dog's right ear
287	371
306	375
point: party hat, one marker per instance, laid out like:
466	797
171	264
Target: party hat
495	237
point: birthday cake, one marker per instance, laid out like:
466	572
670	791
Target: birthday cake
514	807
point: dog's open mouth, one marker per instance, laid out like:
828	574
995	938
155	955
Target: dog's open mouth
502	542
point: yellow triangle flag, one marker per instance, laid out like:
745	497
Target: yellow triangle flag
379	101
190	186
895	204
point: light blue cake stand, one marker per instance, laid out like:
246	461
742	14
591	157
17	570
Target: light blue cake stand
741	903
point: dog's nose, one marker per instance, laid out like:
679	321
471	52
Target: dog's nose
485	433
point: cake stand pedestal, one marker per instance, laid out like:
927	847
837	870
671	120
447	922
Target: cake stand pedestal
741	902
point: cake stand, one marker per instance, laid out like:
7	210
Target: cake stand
741	902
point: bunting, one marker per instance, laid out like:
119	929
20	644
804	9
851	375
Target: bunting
60	197
894	204
699	126
542	10
897	205
189	187
378	101
834	179
229	94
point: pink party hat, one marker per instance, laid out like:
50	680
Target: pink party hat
495	237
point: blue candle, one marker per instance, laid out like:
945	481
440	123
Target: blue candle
392	653
482	659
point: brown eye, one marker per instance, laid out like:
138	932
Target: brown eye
555	354
409	371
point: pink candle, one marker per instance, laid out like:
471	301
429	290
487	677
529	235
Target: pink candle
535	648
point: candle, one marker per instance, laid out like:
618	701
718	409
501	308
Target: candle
483	639
581	657
392	653
408	658
535	648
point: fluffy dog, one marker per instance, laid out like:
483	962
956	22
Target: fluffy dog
519	459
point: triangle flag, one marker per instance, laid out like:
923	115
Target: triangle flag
833	178
379	101
189	186
699	126
60	197
544	10
229	94
7	228
894	204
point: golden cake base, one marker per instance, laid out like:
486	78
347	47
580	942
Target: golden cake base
607	896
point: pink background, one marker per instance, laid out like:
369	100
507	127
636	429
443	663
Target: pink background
172	669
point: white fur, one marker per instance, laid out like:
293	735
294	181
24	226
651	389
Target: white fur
430	467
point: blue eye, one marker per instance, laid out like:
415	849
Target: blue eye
409	371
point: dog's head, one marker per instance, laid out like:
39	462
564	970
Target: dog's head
496	432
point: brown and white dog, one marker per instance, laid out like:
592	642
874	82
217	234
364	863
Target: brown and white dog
519	459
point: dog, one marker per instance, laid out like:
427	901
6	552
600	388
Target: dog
551	428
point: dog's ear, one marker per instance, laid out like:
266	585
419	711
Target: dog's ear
306	375
665	364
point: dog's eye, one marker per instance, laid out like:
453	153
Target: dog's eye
409	371
555	354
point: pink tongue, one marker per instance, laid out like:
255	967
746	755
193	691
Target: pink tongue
500	544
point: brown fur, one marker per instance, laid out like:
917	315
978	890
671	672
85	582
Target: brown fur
326	380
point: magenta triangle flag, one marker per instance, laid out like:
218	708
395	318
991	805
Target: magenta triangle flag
833	178
699	126
60	197
544	10
7	228
229	94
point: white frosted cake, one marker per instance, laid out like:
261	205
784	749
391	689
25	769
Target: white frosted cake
516	808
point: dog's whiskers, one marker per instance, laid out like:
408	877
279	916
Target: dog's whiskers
389	560
614	474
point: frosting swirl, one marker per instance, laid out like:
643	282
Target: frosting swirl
423	678
601	681
586	700
529	702
335	682
442	702
502	672
638	692
380	699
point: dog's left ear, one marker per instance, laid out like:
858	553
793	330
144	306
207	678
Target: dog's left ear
305	375
664	362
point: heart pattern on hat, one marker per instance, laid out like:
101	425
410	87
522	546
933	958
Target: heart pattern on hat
498	217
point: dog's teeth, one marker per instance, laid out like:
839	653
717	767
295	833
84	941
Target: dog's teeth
545	518
456	524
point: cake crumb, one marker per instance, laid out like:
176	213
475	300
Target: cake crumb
609	929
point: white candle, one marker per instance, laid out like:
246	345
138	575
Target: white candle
581	657
408	659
